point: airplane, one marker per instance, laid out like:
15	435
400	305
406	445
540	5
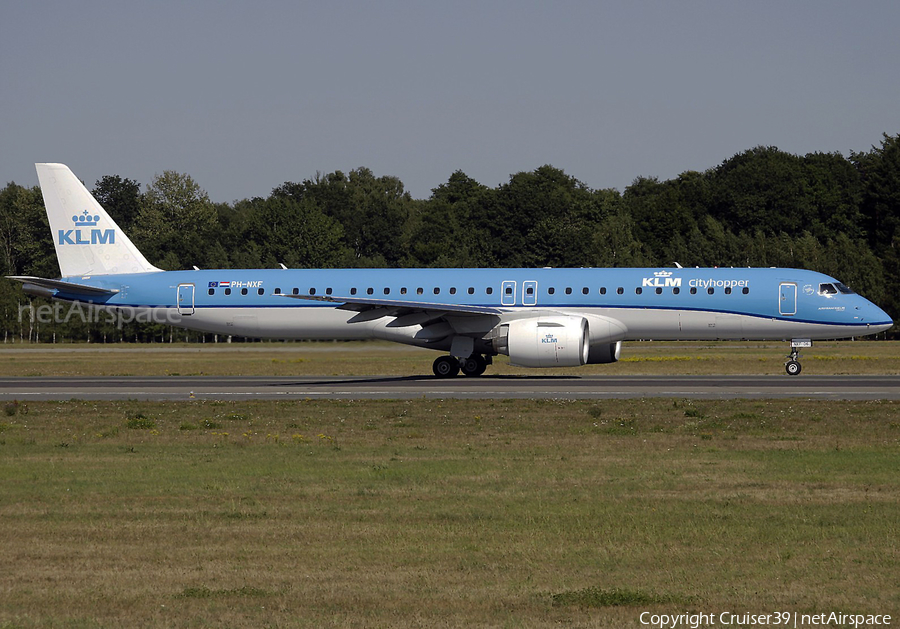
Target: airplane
538	317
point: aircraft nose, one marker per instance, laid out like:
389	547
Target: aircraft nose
878	320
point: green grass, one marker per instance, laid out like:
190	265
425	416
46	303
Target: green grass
377	358
448	513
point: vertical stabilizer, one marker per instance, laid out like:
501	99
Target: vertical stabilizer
87	239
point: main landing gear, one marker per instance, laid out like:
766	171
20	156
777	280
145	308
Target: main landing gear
449	366
792	364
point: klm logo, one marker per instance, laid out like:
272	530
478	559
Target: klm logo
82	236
661	279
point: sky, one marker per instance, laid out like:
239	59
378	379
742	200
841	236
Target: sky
243	96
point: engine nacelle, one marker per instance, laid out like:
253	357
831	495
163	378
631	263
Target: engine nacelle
544	342
602	353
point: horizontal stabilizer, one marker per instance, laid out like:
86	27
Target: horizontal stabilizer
69	288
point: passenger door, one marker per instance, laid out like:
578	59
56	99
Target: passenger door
185	299
787	298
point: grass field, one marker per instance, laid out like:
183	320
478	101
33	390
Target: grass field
444	513
352	359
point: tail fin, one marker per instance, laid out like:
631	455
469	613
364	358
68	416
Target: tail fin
87	239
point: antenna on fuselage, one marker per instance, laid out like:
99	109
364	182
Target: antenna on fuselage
678	266
281	264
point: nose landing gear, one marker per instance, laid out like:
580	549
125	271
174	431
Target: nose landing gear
792	364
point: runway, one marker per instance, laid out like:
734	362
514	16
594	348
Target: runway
485	387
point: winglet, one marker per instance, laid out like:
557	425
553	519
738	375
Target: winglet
87	239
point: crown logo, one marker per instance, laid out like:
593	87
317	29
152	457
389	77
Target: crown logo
663	273
85	219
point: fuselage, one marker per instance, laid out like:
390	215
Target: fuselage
661	304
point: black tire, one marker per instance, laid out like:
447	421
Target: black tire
445	367
474	365
792	367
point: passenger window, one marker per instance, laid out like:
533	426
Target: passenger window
658	290
728	290
745	290
312	291
328	291
488	291
529	290
551	290
603	290
568	290
471	290
437	291
296	291
243	291
638	290
387	291
370	290
260	291
420	290
711	290
452	290
585	290
620	291
277	291
227	291
693	290
352	291
676	290
212	291
509	290
403	290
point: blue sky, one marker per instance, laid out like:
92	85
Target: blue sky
245	96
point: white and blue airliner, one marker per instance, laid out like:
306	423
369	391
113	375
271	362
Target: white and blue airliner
537	317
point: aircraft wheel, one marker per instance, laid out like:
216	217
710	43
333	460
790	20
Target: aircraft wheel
474	365
792	367
445	366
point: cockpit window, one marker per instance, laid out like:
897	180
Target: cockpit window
827	289
846	290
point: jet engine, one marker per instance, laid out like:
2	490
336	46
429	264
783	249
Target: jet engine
602	353
544	342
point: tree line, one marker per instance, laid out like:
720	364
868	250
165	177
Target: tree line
762	207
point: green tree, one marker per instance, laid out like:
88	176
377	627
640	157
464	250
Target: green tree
371	210
539	218
762	188
835	194
177	222
880	172
662	210
121	198
295	233
443	231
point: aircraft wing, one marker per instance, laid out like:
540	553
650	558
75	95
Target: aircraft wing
361	304
410	313
69	288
